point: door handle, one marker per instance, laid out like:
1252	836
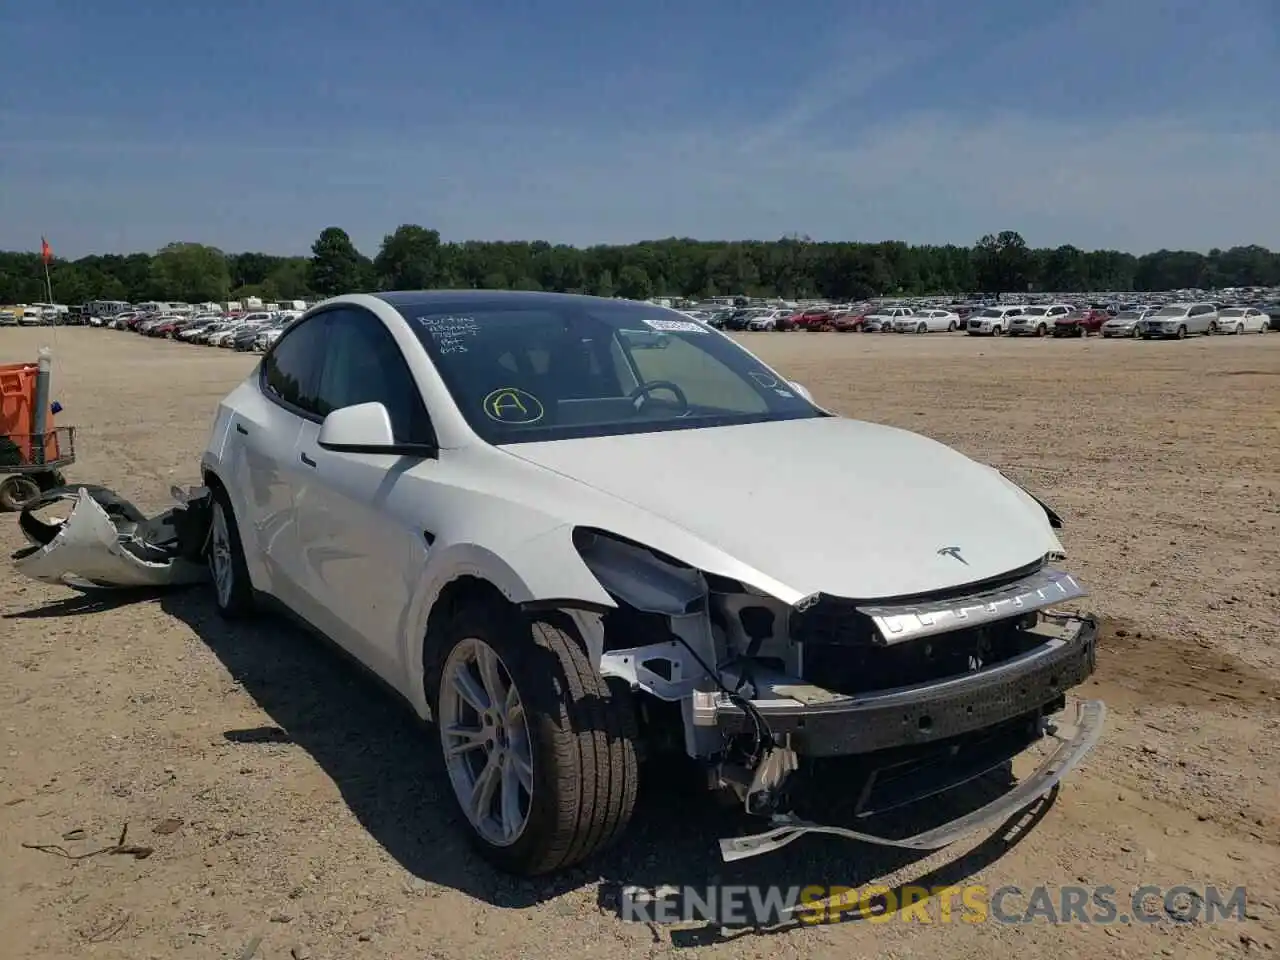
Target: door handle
307	460
240	429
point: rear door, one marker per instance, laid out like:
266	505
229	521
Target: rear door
1199	317
262	433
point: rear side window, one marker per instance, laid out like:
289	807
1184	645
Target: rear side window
291	368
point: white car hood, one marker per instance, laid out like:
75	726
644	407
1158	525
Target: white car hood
825	505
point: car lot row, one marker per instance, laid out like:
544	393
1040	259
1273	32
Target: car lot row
1173	320
257	330
251	331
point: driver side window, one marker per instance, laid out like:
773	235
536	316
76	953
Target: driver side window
363	364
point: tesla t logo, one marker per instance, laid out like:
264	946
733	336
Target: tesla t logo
953	553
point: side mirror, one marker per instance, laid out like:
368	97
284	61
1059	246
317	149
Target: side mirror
366	428
801	389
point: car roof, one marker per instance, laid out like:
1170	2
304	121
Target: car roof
493	299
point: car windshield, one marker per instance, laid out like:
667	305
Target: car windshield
1035	311
991	313
1127	315
560	369
1233	312
1171	312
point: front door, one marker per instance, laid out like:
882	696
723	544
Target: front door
363	543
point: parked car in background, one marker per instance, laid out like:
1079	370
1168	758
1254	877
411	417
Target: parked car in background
851	321
1037	321
739	319
1243	320
197	328
768	320
1272	310
1126	323
992	321
927	321
267	336
814	320
882	319
1080	323
1177	320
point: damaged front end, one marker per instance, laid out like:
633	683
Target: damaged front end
107	542
923	694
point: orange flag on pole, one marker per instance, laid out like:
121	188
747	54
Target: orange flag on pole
46	251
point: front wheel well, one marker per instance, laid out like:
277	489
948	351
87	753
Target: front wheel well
457	595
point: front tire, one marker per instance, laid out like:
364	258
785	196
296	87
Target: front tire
232	589
540	752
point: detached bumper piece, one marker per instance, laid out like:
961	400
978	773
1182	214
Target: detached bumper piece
1072	749
106	542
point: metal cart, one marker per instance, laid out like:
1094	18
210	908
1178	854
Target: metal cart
31	463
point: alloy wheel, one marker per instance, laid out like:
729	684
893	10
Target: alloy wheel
220	556
485	737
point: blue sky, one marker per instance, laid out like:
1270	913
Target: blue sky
1135	124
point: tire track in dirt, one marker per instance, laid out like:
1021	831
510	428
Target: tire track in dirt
1138	667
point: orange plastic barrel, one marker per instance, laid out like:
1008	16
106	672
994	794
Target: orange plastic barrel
17	409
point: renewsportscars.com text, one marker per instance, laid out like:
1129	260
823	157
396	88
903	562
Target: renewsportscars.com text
967	903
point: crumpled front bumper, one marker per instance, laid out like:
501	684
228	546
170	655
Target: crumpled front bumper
1073	748
821	723
969	708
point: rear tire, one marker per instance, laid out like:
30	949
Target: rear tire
232	589
574	782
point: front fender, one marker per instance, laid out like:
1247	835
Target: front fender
544	568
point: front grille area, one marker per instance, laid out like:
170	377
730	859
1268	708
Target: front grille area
863	667
842	650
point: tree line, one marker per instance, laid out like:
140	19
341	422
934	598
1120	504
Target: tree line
414	257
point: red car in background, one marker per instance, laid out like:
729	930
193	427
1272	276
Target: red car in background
853	318
850	321
1080	323
814	320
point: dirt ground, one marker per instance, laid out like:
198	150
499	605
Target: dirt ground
307	816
